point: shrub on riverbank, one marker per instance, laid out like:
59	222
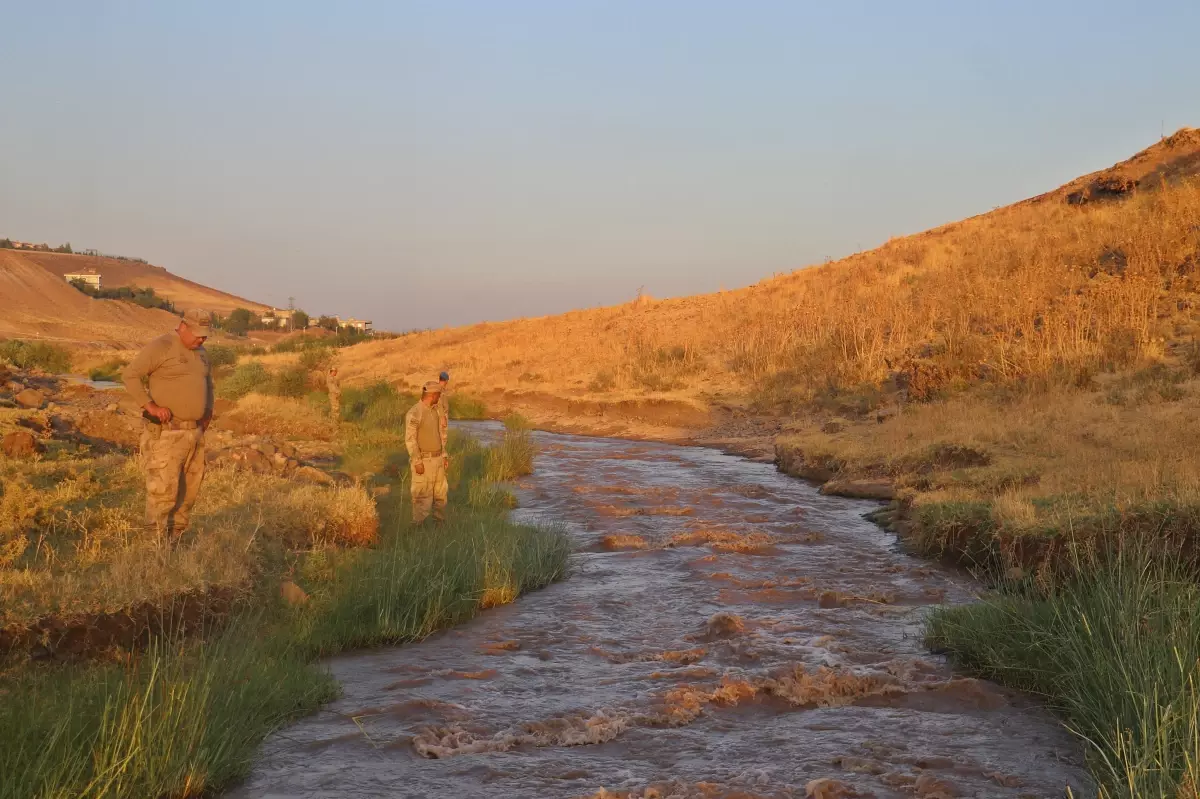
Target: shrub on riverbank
36	355
1115	649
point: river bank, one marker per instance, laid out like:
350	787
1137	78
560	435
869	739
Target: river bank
132	689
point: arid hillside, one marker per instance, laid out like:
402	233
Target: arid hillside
38	304
1097	275
116	272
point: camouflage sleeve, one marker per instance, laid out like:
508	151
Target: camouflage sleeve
444	416
411	423
210	396
149	359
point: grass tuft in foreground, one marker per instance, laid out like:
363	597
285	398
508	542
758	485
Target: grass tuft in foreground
177	720
1116	650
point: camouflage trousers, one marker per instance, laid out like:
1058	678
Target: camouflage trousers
335	404
429	490
173	462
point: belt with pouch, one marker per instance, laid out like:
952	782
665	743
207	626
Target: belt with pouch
437	454
174	424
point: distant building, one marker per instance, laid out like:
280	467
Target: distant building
361	325
89	276
277	317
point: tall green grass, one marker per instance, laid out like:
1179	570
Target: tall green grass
466	407
513	456
108	371
1115	649
178	720
416	584
376	406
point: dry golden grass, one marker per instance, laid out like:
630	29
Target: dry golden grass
257	414
72	541
1037	288
1131	440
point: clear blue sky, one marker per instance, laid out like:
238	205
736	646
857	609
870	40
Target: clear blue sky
440	162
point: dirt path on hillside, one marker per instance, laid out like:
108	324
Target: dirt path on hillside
728	632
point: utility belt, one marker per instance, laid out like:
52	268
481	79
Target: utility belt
174	424
437	454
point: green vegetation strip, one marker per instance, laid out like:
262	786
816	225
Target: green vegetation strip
185	716
1115	648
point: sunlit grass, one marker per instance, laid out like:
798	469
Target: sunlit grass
1115	649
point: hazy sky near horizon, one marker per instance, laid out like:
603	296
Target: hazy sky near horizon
443	162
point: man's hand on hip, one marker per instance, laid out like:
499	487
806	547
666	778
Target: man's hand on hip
158	412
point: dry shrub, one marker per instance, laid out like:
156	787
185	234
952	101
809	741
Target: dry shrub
258	414
300	514
75	543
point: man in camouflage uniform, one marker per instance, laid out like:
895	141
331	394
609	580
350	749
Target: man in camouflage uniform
177	409
334	387
425	441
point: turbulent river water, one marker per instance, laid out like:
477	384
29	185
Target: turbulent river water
727	632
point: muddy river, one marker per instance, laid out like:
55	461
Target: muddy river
727	632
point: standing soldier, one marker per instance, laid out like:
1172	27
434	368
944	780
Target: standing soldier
427	455
334	387
177	409
443	404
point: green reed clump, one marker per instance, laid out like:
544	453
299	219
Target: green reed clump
181	719
246	377
463	406
418	583
1115	649
513	455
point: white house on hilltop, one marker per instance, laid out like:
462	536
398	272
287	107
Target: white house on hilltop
89	276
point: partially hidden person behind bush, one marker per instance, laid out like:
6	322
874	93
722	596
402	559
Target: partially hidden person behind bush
177	408
334	386
424	440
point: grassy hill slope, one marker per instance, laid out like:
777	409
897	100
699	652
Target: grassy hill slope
1097	275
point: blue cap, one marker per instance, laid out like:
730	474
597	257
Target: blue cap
444	376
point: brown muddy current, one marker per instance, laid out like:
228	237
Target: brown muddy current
727	632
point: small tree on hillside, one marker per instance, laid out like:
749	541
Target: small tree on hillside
299	320
239	321
328	322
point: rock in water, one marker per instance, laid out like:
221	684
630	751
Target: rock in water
827	788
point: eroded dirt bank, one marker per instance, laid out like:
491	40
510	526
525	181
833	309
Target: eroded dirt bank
728	632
